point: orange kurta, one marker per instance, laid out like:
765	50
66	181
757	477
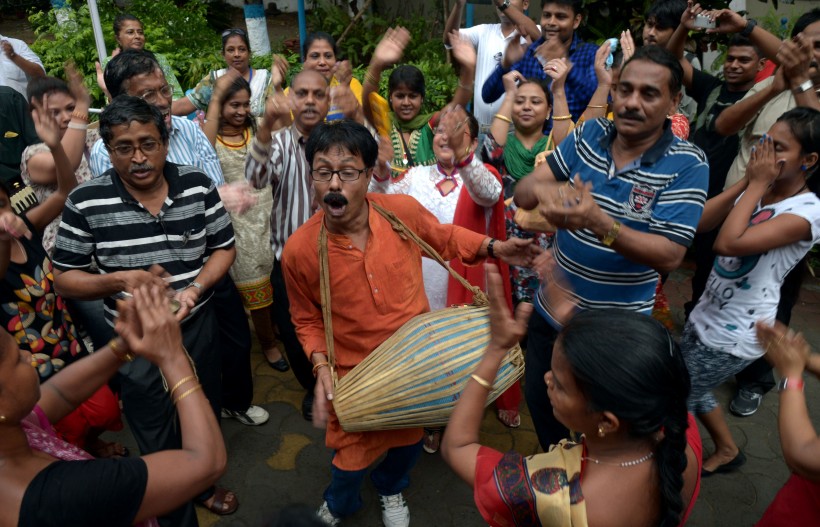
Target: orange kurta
373	293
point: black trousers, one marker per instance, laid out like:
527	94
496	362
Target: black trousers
540	341
147	406
235	345
299	362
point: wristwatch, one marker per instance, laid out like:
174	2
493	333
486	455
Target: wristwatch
504	5
612	235
195	284
786	384
804	87
750	25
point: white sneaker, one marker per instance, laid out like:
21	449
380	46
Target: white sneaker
253	416
394	511
326	516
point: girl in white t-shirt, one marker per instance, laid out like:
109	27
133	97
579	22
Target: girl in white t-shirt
771	219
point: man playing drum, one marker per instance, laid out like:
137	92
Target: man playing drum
375	280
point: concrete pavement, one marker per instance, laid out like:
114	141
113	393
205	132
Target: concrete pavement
285	461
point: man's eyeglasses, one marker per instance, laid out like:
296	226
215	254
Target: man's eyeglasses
126	151
345	174
233	31
150	96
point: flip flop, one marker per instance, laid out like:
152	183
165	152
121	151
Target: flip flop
224	502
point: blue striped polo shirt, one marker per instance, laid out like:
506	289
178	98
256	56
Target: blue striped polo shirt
662	192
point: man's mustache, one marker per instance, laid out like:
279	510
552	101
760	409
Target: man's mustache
141	167
631	115
335	199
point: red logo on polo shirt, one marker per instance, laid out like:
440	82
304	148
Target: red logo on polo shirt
641	198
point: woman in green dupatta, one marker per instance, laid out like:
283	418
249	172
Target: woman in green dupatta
513	150
401	122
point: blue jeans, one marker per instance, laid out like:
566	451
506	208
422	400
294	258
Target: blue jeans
390	477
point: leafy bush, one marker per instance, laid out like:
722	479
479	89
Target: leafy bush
182	34
425	51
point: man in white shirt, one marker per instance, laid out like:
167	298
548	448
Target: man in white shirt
491	41
18	64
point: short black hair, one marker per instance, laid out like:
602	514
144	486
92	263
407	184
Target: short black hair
319	35
667	13
409	76
805	20
129	63
346	134
123	18
739	40
577	6
39	86
125	109
661	57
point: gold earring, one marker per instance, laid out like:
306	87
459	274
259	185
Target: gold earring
2	418
601	432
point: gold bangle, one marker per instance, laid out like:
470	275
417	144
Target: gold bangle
81	116
181	382
187	393
596	105
483	382
561	117
125	357
369	77
502	117
319	365
610	237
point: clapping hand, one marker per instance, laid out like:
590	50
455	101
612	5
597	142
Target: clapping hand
455	129
391	47
147	326
558	69
506	330
77	86
569	206
222	85
463	50
786	350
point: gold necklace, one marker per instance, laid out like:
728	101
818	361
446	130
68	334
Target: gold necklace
632	463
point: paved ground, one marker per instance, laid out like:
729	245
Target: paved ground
285	461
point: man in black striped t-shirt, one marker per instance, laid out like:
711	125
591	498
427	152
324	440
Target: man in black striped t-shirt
144	213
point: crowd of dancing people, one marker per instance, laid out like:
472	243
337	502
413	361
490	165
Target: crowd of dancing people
142	253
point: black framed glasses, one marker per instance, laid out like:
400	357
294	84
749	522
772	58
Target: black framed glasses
151	96
125	151
345	174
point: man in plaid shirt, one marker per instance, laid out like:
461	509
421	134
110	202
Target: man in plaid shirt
559	20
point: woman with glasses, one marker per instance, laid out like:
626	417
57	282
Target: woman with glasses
236	50
230	128
129	34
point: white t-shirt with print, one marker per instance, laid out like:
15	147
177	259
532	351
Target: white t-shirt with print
742	290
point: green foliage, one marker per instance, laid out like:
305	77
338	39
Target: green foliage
182	34
425	50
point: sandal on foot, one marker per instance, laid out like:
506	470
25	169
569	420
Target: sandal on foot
222	502
509	418
732	465
432	440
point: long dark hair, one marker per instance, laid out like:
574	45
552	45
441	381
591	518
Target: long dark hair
235	87
628	364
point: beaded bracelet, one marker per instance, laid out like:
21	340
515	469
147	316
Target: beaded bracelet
187	393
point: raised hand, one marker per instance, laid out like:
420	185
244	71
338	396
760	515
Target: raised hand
76	85
727	21
602	70
687	19
343	72
462	50
795	58
786	350
279	71
391	47
506	330
514	52
511	80
627	45
12	226
45	122
558	69
763	167
222	85
454	126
